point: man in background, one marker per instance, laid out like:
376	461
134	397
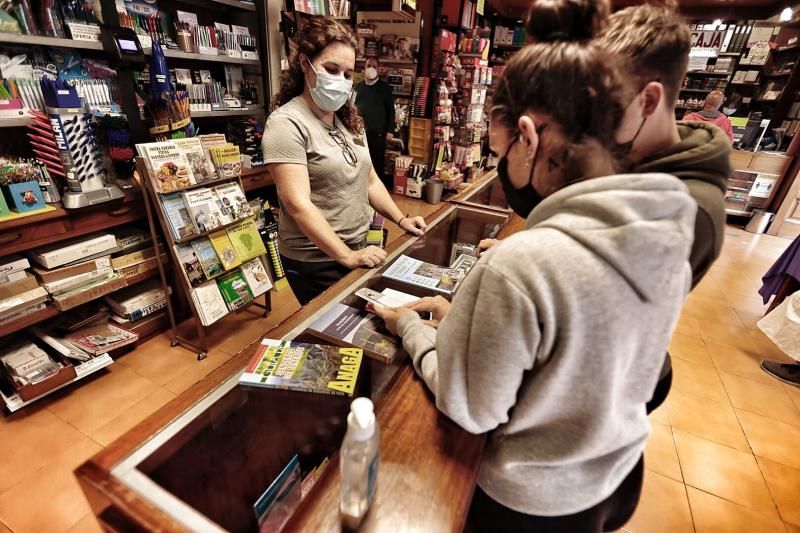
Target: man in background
654	42
375	101
711	113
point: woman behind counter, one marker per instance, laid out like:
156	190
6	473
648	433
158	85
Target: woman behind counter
556	338
316	150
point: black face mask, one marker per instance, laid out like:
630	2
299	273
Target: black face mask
624	149
523	200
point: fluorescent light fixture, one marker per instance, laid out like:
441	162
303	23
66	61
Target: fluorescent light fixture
786	14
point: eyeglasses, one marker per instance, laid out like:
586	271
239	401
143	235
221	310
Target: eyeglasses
347	151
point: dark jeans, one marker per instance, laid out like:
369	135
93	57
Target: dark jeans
310	279
377	153
487	515
662	387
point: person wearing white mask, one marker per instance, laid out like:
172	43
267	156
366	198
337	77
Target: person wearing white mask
315	149
375	101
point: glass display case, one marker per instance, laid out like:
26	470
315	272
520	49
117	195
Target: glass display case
206	468
486	193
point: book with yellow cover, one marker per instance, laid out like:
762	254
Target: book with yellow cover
225	250
227	160
246	240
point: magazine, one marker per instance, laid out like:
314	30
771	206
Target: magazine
208	258
203	209
196	157
442	280
348	326
304	367
233	201
180	223
208	300
169	168
256	276
274	508
102	338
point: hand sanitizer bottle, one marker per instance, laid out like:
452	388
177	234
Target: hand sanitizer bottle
359	463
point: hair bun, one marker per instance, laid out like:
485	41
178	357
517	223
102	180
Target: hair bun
566	20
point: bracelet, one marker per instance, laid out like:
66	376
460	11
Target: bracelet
401	220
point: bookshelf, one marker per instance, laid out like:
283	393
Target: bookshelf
158	217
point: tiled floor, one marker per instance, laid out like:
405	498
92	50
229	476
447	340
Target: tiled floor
723	455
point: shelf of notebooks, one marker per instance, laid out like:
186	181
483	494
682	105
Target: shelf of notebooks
216	250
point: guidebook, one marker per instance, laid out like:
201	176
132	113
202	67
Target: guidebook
255	274
303	367
225	250
180	223
196	157
246	241
169	168
207	257
203	209
209	302
233	200
348	326
443	280
235	290
190	264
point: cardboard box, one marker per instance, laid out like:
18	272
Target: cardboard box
13	263
141	268
49	276
400	181
92	292
9	306
14	276
414	187
132	258
62	253
15	288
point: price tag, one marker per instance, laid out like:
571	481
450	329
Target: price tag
84	32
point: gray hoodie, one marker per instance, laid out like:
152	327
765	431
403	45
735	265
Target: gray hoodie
555	340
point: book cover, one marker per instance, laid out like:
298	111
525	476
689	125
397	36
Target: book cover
227	159
246	240
303	367
89	292
225	250
203	209
209	141
67	284
140	268
208	300
190	264
65	252
235	290
102	338
233	200
49	276
13	263
33	297
351	327
255	274
135	296
180	223
135	315
226	214
196	157
208	258
133	258
426	275
169	168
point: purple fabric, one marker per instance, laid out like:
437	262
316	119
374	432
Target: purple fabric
787	263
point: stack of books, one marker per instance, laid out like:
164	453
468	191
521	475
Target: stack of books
79	270
136	255
214	298
204	209
20	293
134	303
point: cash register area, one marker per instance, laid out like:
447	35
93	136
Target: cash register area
723	448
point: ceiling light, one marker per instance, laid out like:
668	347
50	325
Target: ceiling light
786	14
717	23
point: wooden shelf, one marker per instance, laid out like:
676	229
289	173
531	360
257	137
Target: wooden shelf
787	48
708	73
15	403
698	90
738	212
16	122
246	6
744	83
29	40
178	54
27	321
245	111
778	75
209	183
223	227
508	46
389	61
729	54
465	54
32	219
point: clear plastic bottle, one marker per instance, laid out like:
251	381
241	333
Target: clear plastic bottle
358	461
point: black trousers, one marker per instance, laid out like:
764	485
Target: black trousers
487	515
310	279
662	387
377	153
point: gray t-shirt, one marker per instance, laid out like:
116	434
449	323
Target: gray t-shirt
294	134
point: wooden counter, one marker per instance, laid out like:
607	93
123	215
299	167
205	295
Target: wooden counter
428	464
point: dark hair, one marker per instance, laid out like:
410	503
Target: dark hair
314	37
565	20
654	42
568	79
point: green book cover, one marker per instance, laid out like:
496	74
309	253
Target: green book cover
207	257
235	290
246	240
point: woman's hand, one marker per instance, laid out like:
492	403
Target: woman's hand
485	244
390	315
413	225
371	256
437	306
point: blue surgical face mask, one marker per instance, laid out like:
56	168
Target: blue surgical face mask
330	92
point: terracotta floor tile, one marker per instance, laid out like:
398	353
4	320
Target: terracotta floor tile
50	498
767	400
687	325
771	439
690	349
705	418
131	417
704	308
744	362
87	524
749	317
749	300
660	454
714	515
793	392
97	402
715	332
791	528
725	472
784	484
198	371
158	361
28	440
663	507
660	415
4	528
698	379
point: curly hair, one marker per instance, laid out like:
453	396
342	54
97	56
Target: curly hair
314	37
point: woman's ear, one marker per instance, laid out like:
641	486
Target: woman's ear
528	136
303	63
